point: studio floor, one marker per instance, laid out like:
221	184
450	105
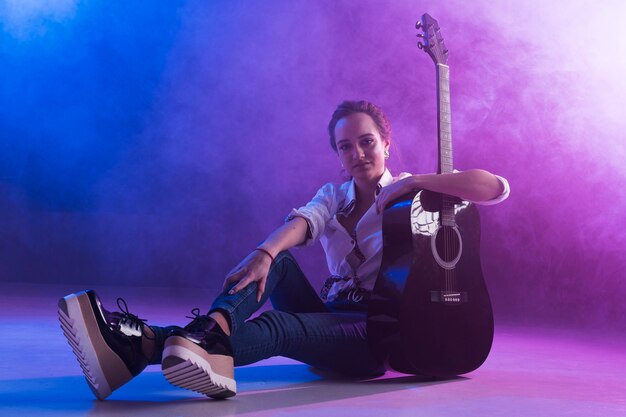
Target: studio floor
530	372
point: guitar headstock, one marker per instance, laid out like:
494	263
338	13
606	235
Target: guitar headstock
432	40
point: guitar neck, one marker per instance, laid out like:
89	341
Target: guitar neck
444	125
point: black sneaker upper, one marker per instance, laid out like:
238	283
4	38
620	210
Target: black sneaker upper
122	331
206	333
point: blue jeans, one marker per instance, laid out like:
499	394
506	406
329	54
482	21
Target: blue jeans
329	336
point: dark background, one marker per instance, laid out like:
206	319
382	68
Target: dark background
155	143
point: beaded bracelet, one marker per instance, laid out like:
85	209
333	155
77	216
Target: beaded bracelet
266	252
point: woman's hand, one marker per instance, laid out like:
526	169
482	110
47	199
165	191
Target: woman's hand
395	190
254	267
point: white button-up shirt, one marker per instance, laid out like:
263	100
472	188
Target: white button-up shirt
333	200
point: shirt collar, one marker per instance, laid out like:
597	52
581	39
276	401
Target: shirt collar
350	199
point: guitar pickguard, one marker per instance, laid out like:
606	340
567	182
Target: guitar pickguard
425	216
426	223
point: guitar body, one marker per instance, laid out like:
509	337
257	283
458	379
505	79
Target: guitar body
430	312
412	329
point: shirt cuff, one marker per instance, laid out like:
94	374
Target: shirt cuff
501	197
308	241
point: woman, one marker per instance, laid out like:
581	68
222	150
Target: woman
327	332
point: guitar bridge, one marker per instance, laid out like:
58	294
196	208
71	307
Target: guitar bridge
448	297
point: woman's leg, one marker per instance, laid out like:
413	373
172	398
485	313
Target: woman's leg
287	288
295	294
301	327
200	357
329	341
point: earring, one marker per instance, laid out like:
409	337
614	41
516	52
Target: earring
386	153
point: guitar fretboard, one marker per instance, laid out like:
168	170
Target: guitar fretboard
444	126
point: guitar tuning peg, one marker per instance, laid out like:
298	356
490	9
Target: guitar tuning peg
420	45
420	35
418	25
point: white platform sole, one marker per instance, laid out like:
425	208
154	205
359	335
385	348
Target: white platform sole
188	366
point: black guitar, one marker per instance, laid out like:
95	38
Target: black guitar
430	312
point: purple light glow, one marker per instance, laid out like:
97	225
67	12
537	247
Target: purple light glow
158	146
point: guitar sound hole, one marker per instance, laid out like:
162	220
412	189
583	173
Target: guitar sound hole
447	244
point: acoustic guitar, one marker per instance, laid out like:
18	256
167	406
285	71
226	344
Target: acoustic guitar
430	312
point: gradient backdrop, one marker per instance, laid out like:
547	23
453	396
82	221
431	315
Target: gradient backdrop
157	142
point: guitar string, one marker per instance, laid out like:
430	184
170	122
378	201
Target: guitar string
450	244
445	243
451	248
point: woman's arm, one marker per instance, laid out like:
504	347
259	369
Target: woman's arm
305	223
286	236
256	265
472	185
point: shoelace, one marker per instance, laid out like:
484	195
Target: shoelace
129	319
198	322
195	312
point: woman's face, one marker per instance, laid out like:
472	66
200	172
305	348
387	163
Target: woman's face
360	148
